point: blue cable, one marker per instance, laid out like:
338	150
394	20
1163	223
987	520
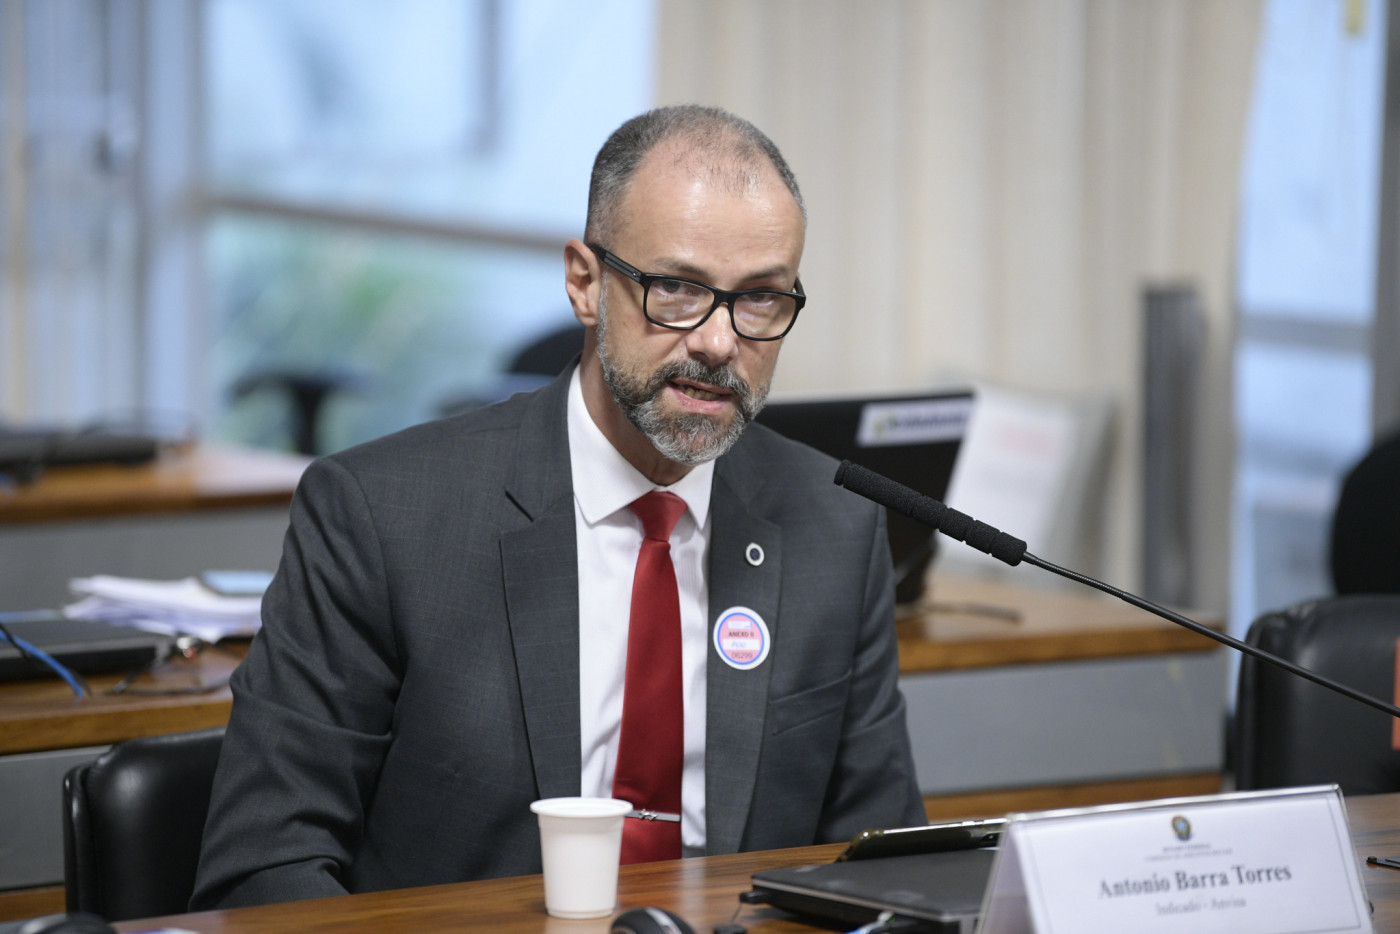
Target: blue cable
29	649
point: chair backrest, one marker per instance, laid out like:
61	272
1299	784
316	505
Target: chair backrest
132	823
1289	731
1365	542
548	354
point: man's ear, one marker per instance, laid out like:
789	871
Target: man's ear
583	281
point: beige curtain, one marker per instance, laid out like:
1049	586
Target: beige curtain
991	183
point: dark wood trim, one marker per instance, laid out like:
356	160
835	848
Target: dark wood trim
1048	797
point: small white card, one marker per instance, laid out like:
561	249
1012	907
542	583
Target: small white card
1272	862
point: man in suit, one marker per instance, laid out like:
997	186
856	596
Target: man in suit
447	637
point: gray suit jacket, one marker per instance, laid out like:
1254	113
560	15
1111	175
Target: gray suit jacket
415	684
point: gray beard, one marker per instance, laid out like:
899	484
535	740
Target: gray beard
689	439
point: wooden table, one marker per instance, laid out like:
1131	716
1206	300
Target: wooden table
194	478
703	891
970	623
189	510
987	648
1052	627
45	716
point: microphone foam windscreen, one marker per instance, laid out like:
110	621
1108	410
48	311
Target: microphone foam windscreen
931	512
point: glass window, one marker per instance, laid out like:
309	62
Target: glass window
1306	293
398	329
390	188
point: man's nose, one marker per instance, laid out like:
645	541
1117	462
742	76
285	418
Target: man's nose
714	342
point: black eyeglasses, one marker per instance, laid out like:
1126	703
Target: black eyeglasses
684	304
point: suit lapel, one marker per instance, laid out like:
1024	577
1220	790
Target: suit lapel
540	568
539	564
736	700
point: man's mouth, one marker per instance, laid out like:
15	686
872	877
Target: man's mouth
700	392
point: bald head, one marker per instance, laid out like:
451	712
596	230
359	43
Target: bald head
713	144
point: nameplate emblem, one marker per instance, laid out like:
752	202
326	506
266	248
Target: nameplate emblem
1245	863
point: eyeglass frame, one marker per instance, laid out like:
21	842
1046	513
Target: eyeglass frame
722	297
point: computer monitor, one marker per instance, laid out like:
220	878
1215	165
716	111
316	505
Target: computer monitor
912	439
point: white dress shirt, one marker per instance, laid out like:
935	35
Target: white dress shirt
609	538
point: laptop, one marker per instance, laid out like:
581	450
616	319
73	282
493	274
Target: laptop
88	647
26	451
940	893
912	439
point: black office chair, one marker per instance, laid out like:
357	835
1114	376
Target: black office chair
548	354
132	823
1365	545
1289	731
307	391
533	366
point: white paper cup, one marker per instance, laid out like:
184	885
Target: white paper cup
581	844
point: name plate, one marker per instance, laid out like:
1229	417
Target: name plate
1271	862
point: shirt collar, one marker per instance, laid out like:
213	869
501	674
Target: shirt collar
605	482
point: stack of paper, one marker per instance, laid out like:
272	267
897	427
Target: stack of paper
181	607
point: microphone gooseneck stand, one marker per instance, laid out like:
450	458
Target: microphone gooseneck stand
1011	550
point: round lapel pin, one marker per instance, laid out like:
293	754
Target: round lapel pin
754	554
741	638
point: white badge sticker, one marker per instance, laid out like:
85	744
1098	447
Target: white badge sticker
741	638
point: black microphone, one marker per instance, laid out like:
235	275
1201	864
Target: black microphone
931	513
1012	550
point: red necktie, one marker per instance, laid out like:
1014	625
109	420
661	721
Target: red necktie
651	747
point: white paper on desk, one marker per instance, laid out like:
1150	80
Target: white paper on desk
173	607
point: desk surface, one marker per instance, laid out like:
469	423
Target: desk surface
201	477
703	891
37	715
45	714
956	631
